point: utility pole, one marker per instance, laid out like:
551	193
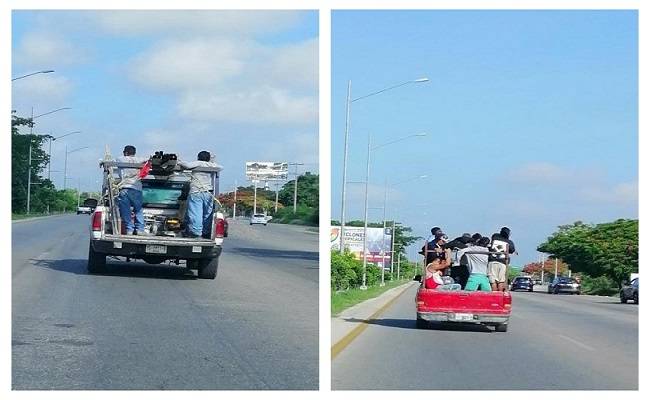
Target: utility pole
255	197
277	185
234	204
556	267
78	191
345	162
295	191
392	248
399	259
29	171
383	236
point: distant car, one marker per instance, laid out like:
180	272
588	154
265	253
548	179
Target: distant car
564	284
258	219
87	207
522	283
537	281
630	292
84	210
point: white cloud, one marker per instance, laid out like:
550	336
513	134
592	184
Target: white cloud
254	106
189	64
539	173
626	193
188	23
49	91
47	50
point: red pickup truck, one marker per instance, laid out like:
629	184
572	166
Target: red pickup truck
488	308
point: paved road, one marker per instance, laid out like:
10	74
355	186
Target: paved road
553	342
155	327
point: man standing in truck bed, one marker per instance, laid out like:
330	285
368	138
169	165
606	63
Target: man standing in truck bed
497	263
200	202
130	195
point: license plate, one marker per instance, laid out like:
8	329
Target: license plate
462	317
156	249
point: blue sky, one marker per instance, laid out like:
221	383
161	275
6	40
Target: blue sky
531	118
241	84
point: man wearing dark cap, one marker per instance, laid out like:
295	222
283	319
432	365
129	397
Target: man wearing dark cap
434	230
130	195
436	250
497	263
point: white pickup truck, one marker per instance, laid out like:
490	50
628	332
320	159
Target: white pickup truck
164	204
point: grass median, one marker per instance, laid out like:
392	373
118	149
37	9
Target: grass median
346	299
16	217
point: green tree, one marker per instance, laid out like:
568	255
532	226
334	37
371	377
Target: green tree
610	249
20	165
308	187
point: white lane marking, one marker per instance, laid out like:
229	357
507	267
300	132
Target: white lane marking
584	346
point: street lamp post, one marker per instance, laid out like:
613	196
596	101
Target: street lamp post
33	73
234	203
49	152
383	238
348	102
365	212
295	187
65	165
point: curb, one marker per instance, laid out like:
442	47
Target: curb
37	218
379	309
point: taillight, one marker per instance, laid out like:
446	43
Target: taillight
97	221
507	299
220	228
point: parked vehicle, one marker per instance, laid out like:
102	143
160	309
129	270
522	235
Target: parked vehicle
630	291
164	196
564	284
522	283
258	219
487	308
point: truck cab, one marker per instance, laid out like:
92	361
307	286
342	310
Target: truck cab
164	195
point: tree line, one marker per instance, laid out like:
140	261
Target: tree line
43	195
607	252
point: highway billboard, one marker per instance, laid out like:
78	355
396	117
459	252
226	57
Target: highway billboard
378	239
267	170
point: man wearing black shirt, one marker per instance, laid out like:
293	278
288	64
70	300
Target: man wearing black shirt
497	263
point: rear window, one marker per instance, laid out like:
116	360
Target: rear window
522	279
161	194
566	280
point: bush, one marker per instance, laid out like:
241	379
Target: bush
601	285
304	215
346	271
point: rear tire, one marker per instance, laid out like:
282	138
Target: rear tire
208	268
623	299
501	328
96	261
421	323
635	298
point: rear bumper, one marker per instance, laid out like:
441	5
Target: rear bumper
138	250
566	290
444	316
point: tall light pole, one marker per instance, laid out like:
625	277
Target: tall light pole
348	102
33	73
49	152
365	208
234	203
383	237
65	165
295	187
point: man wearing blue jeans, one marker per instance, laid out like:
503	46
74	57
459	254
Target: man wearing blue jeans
200	201
130	195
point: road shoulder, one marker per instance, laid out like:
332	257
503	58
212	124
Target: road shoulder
351	322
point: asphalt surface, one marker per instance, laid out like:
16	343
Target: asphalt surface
553	342
143	326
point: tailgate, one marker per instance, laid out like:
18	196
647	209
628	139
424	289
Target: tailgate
430	300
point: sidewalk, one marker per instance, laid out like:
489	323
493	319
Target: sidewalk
350	321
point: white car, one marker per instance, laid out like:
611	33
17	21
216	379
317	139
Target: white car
258	219
84	210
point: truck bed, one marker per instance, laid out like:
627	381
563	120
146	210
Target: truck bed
463	306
